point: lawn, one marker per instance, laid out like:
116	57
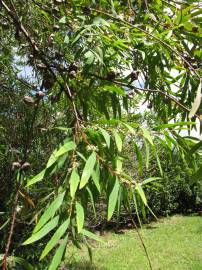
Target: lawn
172	243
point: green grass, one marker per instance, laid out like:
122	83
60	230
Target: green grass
172	243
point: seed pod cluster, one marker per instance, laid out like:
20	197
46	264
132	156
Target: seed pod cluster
40	95
28	100
73	69
111	75
18	165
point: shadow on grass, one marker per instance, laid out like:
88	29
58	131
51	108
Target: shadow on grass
85	265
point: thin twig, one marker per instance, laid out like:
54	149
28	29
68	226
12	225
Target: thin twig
135	88
11	229
140	237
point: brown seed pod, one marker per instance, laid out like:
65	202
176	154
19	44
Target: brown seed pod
195	29
16	165
181	27
48	83
56	27
40	95
131	94
73	67
41	66
134	75
149	106
58	2
28	100
86	10
59	55
72	74
111	75
60	67
25	166
55	11
51	39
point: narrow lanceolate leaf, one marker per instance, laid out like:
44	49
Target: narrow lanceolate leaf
37	178
55	238
44	231
147	136
50	212
92	236
74	182
141	193
118	141
195	148
79	216
88	170
68	146
196	102
139	158
147	150
96	177
106	136
149	180
131	130
174	125
113	199
58	255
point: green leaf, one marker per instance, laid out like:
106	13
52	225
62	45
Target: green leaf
198	175
62	20
174	125
37	178
195	148
50	211
79	216
113	199
141	193
68	146
118	141
114	89
66	40
74	182
92	201
149	180
92	236
106	136
58	255
196	102
139	158
147	136
44	231
55	238
158	162
89	58
147	150
88	169
96	177
130	128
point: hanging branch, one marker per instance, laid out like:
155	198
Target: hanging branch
136	88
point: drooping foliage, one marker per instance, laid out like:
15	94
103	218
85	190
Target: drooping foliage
74	77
